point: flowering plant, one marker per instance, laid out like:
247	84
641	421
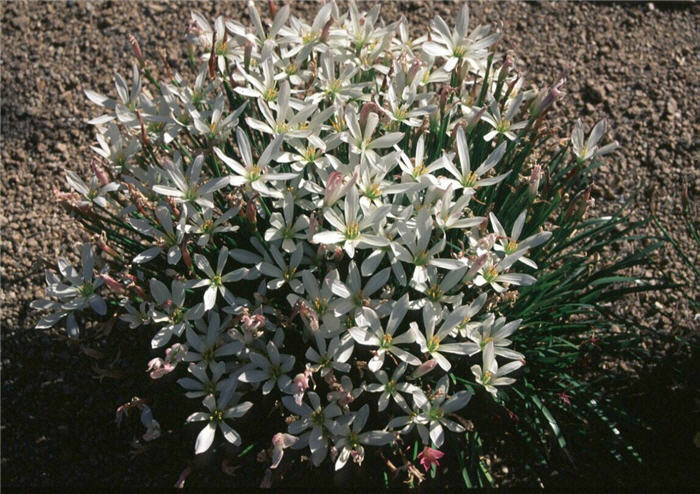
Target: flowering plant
334	214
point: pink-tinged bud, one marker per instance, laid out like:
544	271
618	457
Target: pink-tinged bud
144	135
273	8
314	224
507	64
99	172
112	284
336	187
247	52
424	368
326	31
545	99
187	259
135	48
534	182
251	211
429	457
367	108
180	484
301	384
252	326
487	241
477	264
476	118
173	205
104	247
415	68
212	56
138	290
310	318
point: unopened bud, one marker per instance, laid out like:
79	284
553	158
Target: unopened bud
534	183
187	259
102	244
336	187
326	31
212	57
424	368
367	108
99	172
112	284
477	264
273	8
247	51
135	48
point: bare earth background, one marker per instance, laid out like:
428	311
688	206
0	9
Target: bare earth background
635	64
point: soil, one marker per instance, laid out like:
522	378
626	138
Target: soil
635	64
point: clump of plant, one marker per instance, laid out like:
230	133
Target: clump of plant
345	231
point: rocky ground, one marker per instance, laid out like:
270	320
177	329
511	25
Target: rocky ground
635	64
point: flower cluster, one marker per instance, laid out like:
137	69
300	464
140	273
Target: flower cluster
298	220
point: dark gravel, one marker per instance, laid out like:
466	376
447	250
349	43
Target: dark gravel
636	64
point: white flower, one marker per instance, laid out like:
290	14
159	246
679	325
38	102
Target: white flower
219	412
389	388
455	46
370	332
284	227
496	331
503	125
210	346
351	231
433	412
334	355
464	177
282	272
315	417
361	141
350	438
254	174
492	375
272	369
431	342
589	149
508	244
215	280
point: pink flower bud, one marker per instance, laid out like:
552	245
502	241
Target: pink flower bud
273	8
326	31
99	172
424	368
112	284
477	264
534	183
106	248
135	48
336	187
247	51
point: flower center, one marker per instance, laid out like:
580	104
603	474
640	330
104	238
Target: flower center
352	230
435	293
511	247
385	341
433	344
